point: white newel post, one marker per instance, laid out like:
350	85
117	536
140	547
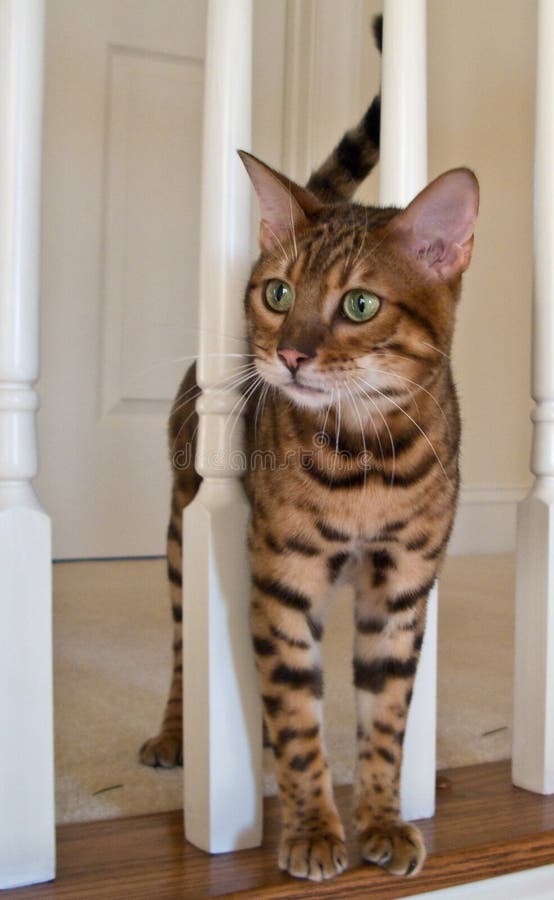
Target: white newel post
403	172
26	747
533	740
222	713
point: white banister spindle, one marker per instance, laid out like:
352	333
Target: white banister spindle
27	852
403	154
533	735
222	715
403	172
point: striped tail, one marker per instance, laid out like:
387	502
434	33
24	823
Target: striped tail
338	177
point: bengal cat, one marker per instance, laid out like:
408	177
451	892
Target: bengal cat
350	312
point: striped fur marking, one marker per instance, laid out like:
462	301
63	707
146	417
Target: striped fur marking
418	543
263	646
281	592
272	705
174	575
419	319
373	676
335	564
289	641
370	626
286	735
173	531
372	121
301	547
299	679
316	628
386	755
331	534
427	465
352	480
408	599
176	613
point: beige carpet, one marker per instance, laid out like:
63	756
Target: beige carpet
112	636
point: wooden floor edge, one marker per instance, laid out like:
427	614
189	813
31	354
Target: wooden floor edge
441	870
483	827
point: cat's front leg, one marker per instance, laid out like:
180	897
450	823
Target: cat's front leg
390	620
286	633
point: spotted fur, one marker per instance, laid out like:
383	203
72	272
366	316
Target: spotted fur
361	421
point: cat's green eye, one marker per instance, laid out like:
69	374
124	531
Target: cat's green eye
278	295
359	305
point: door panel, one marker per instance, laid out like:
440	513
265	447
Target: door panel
121	176
151	236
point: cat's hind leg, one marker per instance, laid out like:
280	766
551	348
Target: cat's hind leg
165	748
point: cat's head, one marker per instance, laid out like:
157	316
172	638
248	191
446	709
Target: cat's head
347	301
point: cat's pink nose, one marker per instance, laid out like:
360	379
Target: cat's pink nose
292	358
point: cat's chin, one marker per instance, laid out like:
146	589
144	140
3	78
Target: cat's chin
307	397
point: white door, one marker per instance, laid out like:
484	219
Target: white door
121	174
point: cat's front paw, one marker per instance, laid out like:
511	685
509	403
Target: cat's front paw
164	750
397	846
315	857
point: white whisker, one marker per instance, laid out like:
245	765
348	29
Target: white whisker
386	424
357	411
337	434
192	357
362	241
293	231
413	421
277	241
326	419
436	349
223	384
235	414
244	379
260	409
346	266
419	387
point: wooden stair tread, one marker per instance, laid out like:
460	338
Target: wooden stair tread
483	827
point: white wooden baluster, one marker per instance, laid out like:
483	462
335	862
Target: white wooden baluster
222	714
26	745
403	172
533	740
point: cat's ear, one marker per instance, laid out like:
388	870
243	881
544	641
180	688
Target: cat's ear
284	205
437	227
